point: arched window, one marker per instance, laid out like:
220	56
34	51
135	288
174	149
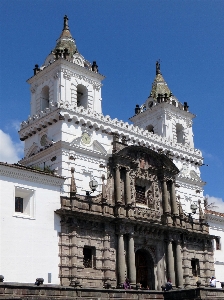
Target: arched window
82	96
180	133
150	128
44	98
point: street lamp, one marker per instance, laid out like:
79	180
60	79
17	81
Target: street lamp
93	184
193	208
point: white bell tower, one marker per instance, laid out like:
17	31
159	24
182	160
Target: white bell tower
65	91
65	77
164	115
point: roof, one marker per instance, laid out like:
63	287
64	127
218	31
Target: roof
66	40
212	212
159	85
31	169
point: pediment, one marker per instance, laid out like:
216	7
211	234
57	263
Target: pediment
94	146
33	150
98	147
145	158
76	141
194	175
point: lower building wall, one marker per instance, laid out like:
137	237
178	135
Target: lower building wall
25	292
29	242
91	257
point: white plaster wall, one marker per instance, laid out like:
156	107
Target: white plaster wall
217	229
29	246
187	195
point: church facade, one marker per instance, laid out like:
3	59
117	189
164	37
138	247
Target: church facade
132	202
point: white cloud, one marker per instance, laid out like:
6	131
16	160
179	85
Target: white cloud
12	124
10	152
216	204
16	125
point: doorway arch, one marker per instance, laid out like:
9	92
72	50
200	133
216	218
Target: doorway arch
145	269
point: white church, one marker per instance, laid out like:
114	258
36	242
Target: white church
95	199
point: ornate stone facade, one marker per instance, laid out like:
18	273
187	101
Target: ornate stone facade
135	228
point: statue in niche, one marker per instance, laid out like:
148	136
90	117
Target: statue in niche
142	161
150	199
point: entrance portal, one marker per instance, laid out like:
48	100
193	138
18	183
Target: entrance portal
144	269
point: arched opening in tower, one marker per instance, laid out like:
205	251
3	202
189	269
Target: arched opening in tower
82	96
44	98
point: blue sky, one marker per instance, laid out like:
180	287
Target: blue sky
125	38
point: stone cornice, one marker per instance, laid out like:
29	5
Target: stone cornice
68	74
42	156
24	174
98	121
182	180
37	122
61	146
167	109
72	66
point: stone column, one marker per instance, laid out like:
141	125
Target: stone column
186	266
128	186
170	263
74	256
174	209
179	266
207	267
160	274
131	260
120	260
106	257
118	184
165	197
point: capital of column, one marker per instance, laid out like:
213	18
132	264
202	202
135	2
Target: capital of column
120	229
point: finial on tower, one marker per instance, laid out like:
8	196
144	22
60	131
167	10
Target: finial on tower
158	67
66	27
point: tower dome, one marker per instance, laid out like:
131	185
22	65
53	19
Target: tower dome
65	43
159	86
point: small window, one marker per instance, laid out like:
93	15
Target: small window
140	194
88	257
218	244
19	204
24	202
195	267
